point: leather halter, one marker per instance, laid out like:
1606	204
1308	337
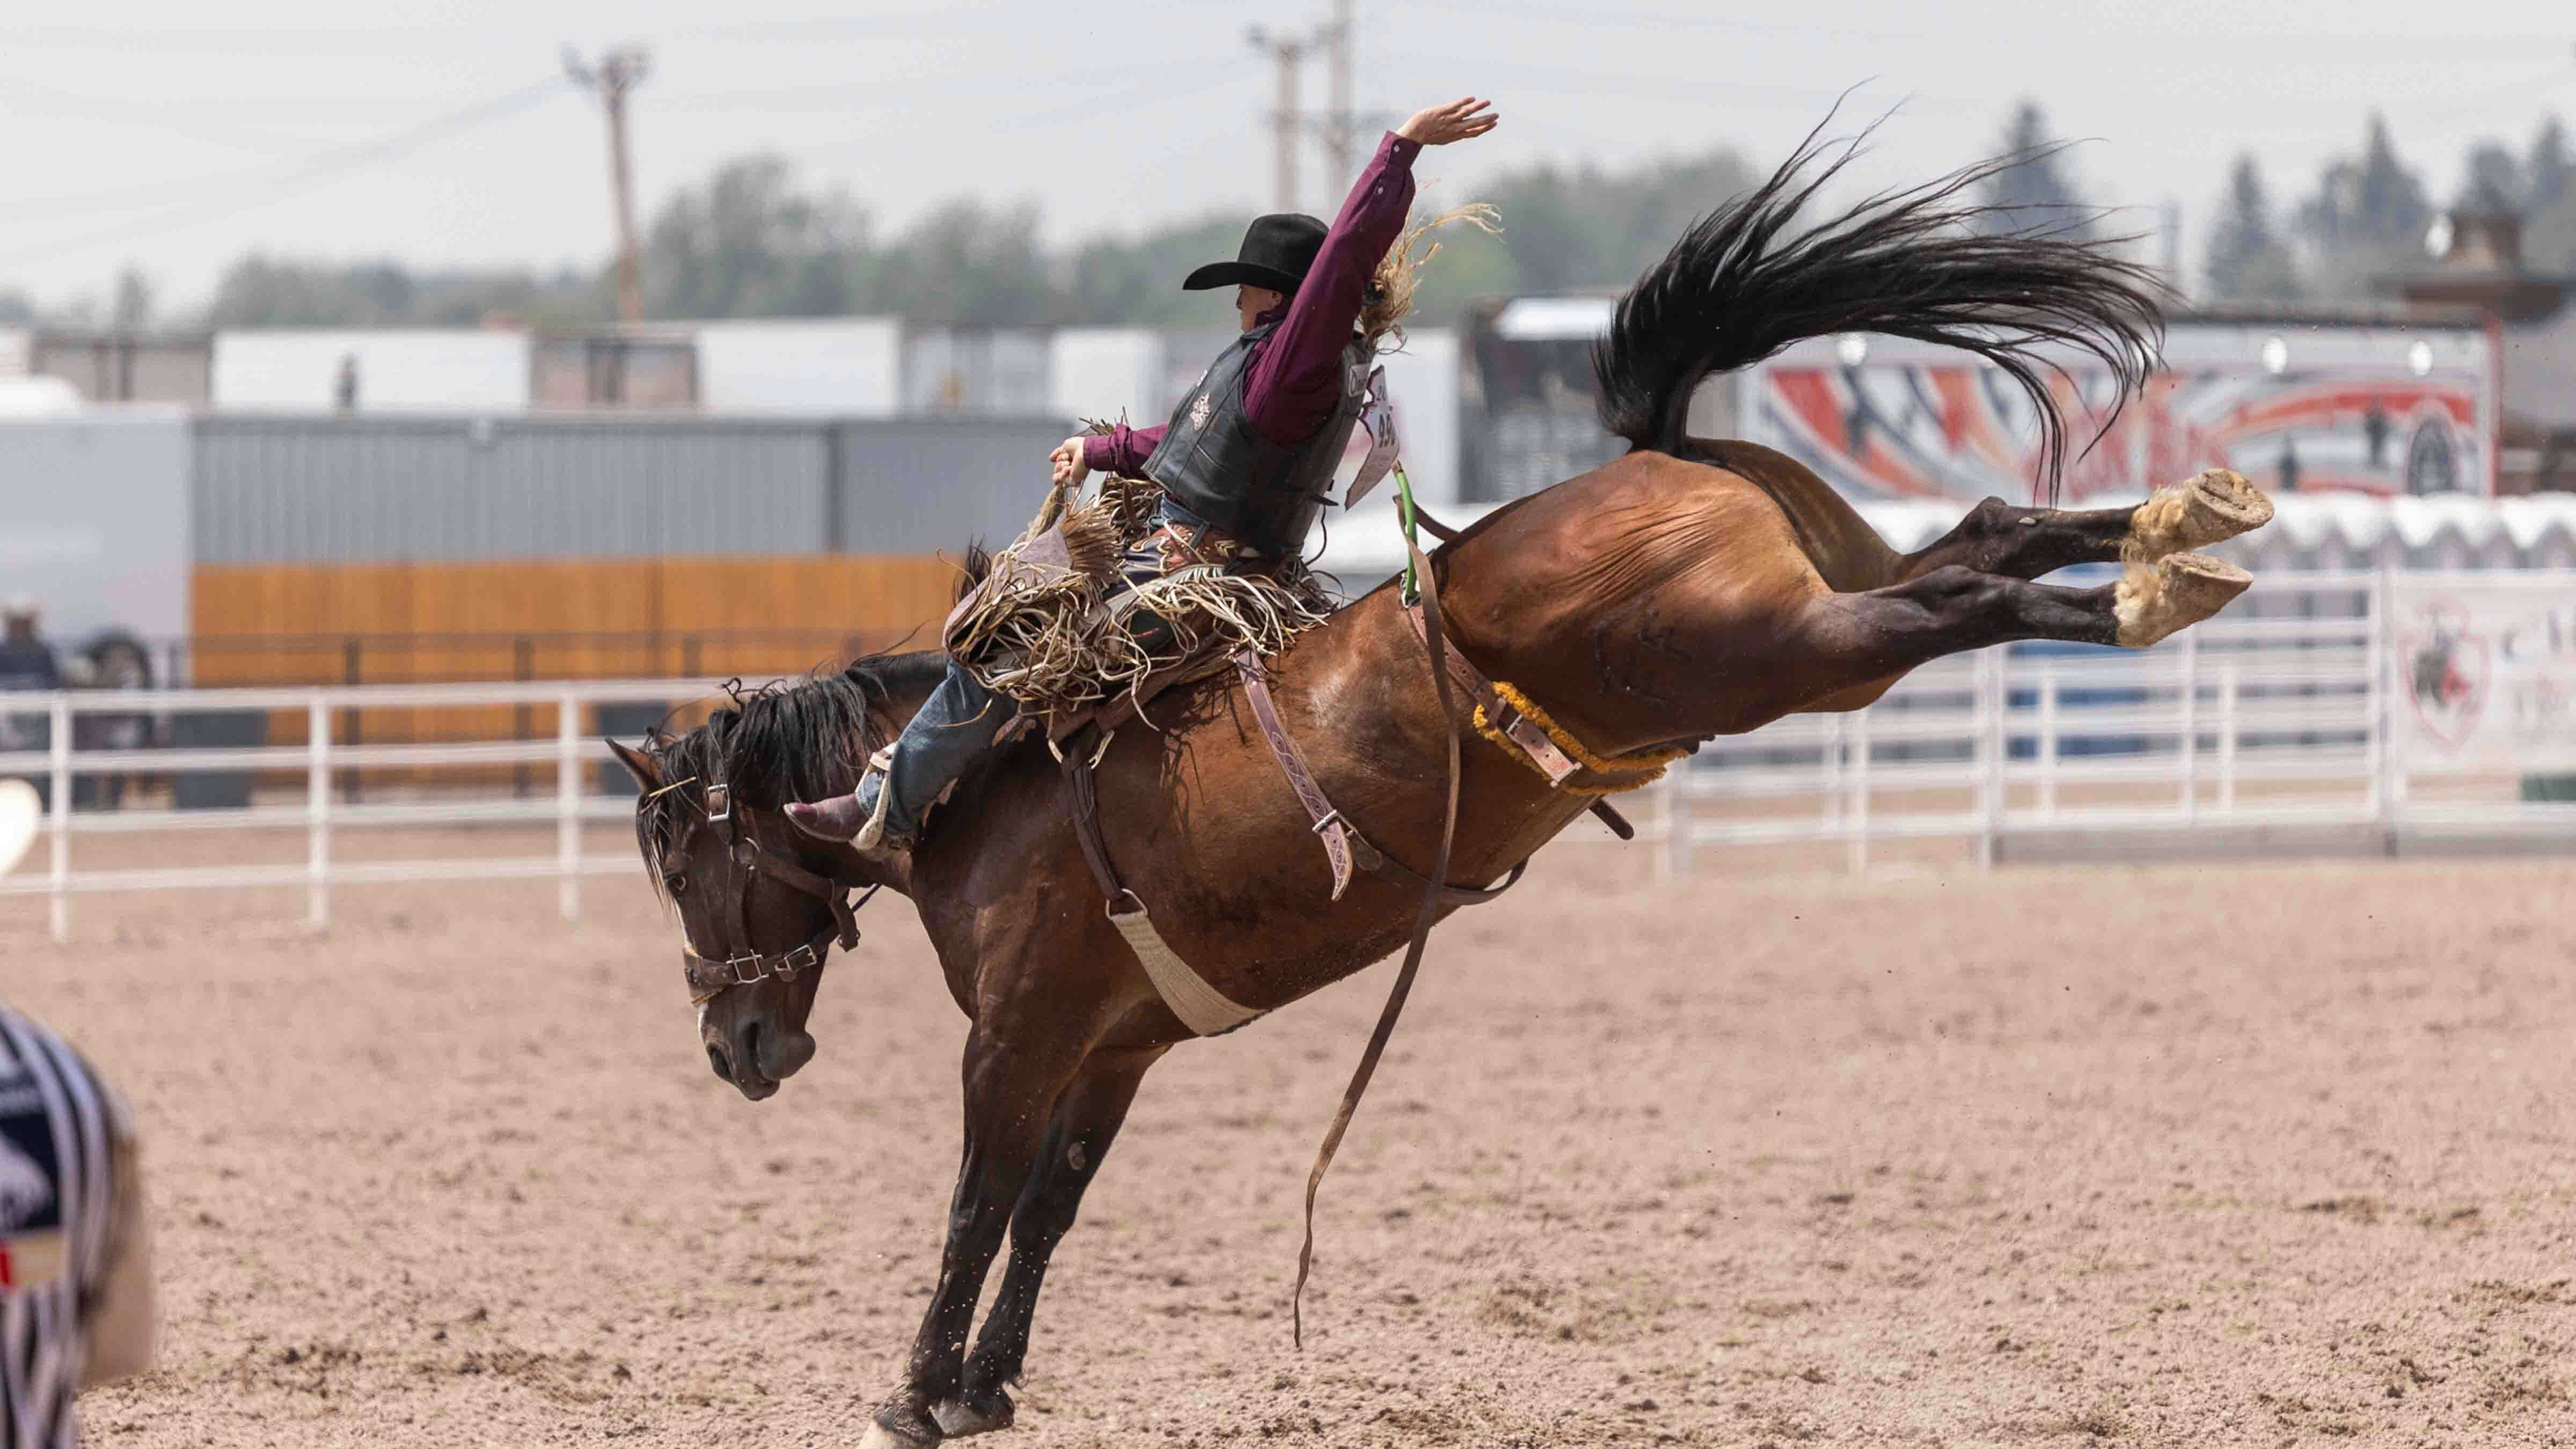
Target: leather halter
707	976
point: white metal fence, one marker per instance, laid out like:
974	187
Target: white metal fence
2276	715
2281	718
574	752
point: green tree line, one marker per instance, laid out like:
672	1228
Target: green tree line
753	240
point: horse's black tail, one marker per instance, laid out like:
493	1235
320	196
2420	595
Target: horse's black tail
1739	286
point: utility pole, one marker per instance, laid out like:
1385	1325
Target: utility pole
1341	128
620	69
1287	52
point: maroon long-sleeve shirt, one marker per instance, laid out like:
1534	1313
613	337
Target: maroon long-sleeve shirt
1295	382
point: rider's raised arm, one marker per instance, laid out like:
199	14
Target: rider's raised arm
1122	450
1296	380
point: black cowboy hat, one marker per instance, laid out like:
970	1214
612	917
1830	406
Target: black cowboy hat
1277	250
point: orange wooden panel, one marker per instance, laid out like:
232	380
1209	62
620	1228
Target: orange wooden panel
611	617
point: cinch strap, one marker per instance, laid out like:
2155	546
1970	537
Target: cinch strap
1201	1007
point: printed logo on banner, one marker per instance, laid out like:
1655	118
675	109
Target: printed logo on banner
2449	671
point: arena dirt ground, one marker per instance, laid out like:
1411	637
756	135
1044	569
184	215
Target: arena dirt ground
2245	1155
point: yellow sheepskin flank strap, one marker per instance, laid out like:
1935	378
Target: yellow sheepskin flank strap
1621	773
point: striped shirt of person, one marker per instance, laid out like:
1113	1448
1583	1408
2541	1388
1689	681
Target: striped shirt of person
75	1254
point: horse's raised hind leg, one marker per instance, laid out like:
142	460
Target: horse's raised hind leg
2024	543
1086	1121
1012	1082
1880	634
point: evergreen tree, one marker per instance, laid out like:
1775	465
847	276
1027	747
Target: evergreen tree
132	310
2366	220
2036	192
2248	261
2495	180
2549	232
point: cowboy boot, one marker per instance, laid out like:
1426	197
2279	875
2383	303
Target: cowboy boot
885	813
858	817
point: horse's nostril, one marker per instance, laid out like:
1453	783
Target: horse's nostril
715	1059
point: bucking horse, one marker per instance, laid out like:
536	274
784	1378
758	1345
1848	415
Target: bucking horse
1693	587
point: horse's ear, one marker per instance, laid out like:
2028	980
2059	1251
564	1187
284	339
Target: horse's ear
647	772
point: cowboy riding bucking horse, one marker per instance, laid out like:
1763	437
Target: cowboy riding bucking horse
1099	903
1245	465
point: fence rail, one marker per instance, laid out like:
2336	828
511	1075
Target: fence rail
2277	719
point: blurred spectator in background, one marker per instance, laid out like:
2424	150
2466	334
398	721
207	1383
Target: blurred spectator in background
26	660
26	663
76	1299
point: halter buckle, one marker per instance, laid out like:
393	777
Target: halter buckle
719	804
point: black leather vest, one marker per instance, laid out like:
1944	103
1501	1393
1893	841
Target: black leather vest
1215	463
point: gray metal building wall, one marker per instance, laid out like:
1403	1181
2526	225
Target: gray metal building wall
924	487
375	490
94	519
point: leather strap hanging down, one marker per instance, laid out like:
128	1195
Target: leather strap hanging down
1343	842
1435	642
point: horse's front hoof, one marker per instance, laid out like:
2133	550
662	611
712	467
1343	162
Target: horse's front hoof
2179	591
2210	508
973	1414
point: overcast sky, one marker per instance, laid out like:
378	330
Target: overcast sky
176	135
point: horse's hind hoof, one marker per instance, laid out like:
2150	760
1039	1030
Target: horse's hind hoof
974	1414
2215	506
900	1426
2180	590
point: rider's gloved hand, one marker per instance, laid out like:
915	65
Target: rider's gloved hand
1068	461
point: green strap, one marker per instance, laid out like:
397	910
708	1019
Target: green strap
1413	546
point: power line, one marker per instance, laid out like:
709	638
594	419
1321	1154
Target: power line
1590	18
125	113
1555	80
315	171
298	44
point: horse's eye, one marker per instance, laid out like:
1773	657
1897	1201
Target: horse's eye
674	883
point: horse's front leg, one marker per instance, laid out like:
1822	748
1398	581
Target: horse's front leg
1013	1079
1086	1122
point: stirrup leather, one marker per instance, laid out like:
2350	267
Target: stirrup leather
872	834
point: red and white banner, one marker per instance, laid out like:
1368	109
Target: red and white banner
2485	672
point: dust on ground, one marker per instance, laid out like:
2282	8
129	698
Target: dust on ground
2253	1155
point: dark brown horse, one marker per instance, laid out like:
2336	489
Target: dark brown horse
1691	588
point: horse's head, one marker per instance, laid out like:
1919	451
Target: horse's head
759	904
